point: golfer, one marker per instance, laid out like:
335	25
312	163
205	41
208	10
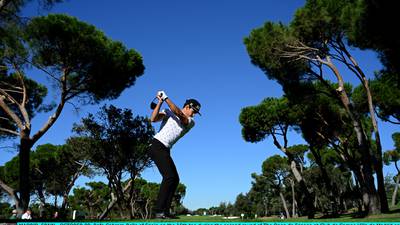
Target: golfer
175	124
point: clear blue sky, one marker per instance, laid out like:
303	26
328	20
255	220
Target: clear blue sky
193	49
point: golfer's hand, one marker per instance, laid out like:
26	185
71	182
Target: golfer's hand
162	95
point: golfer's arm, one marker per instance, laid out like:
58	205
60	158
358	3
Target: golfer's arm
156	115
177	111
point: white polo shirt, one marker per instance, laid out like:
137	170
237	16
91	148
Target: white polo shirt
172	129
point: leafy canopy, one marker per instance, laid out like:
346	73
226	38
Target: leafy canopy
96	66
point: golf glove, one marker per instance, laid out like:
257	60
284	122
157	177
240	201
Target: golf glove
162	95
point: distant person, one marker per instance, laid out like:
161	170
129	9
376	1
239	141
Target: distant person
14	215
175	124
55	216
27	215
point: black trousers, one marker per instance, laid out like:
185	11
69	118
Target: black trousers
162	158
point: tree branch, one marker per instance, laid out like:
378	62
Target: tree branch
277	144
354	66
10	113
299	51
10	191
10	85
4	118
52	119
285	140
386	119
9	131
8	96
24	97
43	69
13	91
21	77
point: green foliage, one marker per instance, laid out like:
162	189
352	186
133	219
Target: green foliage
265	119
266	44
52	169
371	27
396	140
275	167
393	156
178	198
91	200
262	194
319	22
114	140
46	169
96	65
5	210
9	8
115	143
323	118
327	155
94	198
11	29
149	192
298	151
341	185
10	173
385	90
243	205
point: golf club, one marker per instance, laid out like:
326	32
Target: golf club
153	104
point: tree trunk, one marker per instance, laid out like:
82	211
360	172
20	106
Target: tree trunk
24	164
113	201
130	189
316	201
108	208
369	193
55	201
146	207
299	178
332	188
378	165
41	209
13	194
293	199
370	198
396	188
133	207
371	202
42	202
70	186
284	205
344	204
121	211
266	205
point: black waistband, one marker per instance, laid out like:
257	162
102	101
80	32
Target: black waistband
156	142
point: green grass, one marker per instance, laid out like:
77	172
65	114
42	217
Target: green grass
380	218
393	216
